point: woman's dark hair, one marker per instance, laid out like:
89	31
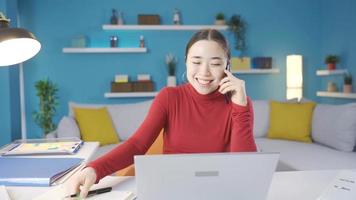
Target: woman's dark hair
208	34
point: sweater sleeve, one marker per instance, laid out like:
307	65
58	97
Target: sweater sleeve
242	128
123	155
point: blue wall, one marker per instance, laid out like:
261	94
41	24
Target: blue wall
338	37
275	28
9	91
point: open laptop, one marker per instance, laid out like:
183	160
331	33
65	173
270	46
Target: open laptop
228	176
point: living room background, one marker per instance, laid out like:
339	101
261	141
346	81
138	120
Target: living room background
276	28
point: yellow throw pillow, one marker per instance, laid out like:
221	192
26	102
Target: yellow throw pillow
95	125
291	121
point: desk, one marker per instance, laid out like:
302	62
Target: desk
85	152
293	185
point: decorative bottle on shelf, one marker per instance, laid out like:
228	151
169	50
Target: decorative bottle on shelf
121	19
331	87
114	40
142	41
114	19
176	17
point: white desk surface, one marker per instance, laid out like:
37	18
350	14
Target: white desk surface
293	185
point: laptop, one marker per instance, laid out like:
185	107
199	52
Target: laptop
207	176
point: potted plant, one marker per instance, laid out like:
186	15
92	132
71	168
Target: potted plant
331	61
220	19
237	26
347	83
46	90
171	62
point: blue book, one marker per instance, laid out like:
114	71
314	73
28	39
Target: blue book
15	171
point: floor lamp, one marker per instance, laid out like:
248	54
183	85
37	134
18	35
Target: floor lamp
294	76
16	46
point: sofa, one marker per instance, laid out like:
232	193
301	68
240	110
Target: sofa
333	133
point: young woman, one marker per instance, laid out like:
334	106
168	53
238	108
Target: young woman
211	113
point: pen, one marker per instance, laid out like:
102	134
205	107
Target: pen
94	192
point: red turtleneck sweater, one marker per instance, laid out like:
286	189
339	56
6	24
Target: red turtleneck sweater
193	123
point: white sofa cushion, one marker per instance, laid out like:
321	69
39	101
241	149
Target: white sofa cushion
307	156
261	118
126	117
335	126
68	127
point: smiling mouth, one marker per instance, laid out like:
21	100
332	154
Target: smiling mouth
203	82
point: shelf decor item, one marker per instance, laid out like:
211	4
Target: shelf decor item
347	83
114	19
243	63
80	41
114	40
331	61
262	62
142	41
46	91
331	87
144	19
237	26
121	87
120	19
220	19
177	17
134	86
171	62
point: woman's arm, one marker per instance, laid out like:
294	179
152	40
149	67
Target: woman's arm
122	155
242	128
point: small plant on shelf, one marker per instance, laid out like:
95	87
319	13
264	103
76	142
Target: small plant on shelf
48	101
238	27
171	62
347	83
220	19
331	61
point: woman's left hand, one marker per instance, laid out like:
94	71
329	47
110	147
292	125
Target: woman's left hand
234	85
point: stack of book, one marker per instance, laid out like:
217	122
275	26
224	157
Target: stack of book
22	164
62	146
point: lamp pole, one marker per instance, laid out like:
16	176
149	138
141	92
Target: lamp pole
22	103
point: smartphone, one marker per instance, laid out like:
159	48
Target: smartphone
228	94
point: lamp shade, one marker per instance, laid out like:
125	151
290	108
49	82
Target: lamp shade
17	45
294	76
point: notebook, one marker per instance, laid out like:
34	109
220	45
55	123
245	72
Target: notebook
42	147
342	187
228	176
16	171
3	193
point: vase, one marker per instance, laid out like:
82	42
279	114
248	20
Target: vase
220	22
347	88
331	87
331	66
171	81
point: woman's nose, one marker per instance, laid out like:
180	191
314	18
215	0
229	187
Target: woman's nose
205	69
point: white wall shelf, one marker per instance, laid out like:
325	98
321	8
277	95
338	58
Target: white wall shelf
163	27
104	50
256	71
336	94
331	72
130	94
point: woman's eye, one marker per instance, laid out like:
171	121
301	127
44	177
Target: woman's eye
215	64
196	63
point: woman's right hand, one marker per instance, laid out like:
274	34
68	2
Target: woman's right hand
82	181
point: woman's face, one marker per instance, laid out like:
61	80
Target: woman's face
206	61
